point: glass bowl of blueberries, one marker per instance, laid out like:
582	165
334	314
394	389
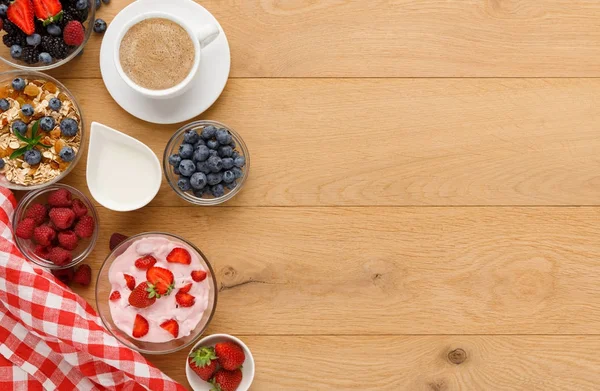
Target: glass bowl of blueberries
44	34
206	162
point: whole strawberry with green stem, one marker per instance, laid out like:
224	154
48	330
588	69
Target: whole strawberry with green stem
225	380
203	361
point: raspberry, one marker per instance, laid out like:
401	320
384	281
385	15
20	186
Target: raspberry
37	212
25	228
41	251
64	275
62	218
44	235
83	275
60	198
59	256
85	227
73	34
68	240
79	208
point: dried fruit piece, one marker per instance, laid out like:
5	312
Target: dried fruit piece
58	145
50	87
31	90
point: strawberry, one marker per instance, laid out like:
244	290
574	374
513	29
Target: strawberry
198	275
37	212
20	12
225	380
64	275
116	295
62	218
44	235
25	228
171	326
42	251
73	33
83	275
48	11
162	280
68	240
231	355
145	262
115	240
179	255
204	362
186	288
60	198
1	24
130	280
184	299
140	326
85	227
142	296
59	256
79	208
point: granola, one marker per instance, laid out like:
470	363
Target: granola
49	142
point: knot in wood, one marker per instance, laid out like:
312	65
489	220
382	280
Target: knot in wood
457	356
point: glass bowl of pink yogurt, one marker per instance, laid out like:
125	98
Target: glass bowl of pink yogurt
152	329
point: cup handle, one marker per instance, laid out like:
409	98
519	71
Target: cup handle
207	34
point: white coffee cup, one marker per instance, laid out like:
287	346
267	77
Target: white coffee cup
201	37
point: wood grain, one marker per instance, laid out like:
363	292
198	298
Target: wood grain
389	270
397	38
396	142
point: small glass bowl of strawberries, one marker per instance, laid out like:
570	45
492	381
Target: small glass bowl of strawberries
55	227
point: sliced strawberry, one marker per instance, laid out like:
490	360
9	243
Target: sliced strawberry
142	296
48	11
20	12
179	255
184	299
198	275
186	288
116	295
130	281
145	262
140	326
171	326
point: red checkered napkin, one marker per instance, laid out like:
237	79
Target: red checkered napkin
50	338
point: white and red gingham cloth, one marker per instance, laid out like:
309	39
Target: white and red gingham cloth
51	338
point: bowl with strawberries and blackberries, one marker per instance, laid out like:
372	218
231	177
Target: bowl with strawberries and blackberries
44	34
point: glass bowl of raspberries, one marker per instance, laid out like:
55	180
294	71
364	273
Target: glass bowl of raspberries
55	227
206	162
44	34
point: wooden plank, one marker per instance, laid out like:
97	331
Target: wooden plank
383	270
417	363
398	38
397	142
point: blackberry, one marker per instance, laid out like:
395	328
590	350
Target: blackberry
10	27
66	19
30	55
55	46
14	39
72	12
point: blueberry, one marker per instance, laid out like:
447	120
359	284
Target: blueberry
215	164
203	167
198	180
212	144
1	164
218	190
16	51
27	110
45	57
212	152
187	167
19	126
223	136
99	26
81	4
32	157
174	160
227	163
3	9
225	151
186	151
4	105
200	193
184	183
69	127
231	185
67	154
237	172
214	177
199	143
232	144
176	171
235	154
98	4
47	124
190	136
33	39
209	132
18	84
228	176
54	29
55	104
239	161
201	153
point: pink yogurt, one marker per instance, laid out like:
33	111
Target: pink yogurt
166	307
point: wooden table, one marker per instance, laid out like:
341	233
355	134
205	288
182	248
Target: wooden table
422	211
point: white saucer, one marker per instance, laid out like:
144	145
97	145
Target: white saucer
208	85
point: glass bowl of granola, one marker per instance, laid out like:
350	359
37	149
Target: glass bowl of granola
42	132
